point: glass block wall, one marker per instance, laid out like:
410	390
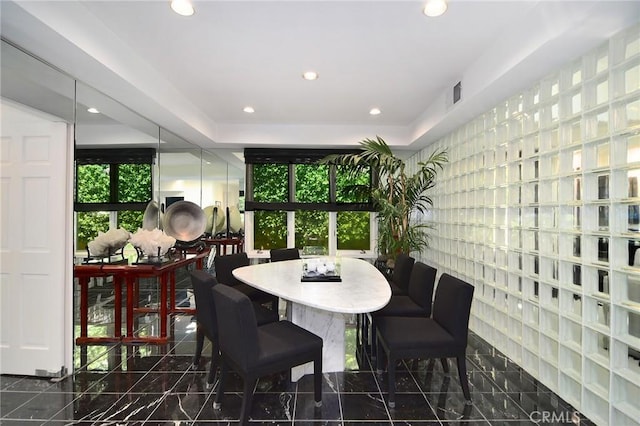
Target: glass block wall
539	208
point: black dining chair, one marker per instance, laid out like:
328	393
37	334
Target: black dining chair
224	274
282	254
442	336
207	323
399	283
277	255
416	303
254	351
401	274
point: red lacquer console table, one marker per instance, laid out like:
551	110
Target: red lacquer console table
130	275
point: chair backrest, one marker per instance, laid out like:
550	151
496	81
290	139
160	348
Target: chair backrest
202	283
284	254
402	271
226	264
238	329
452	306
421	284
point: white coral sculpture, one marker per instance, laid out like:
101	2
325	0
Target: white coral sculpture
150	241
107	243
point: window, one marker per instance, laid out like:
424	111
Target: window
354	230
312	231
271	184
312	183
112	189
350	190
353	227
92	183
292	200
273	229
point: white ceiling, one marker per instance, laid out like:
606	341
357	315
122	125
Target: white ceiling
193	75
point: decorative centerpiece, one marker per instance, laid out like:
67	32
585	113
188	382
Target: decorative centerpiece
152	246
320	269
185	222
107	245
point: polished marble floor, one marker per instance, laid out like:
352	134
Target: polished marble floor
157	385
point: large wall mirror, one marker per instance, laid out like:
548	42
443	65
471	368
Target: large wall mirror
121	163
116	152
108	133
212	179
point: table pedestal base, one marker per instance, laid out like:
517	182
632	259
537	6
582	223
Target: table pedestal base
327	325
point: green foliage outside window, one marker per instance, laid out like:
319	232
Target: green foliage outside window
270	183
130	220
134	183
354	231
312	229
92	183
271	230
312	183
88	225
350	187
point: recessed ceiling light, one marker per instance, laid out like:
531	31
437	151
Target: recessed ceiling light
93	110
435	8
249	110
182	7
375	111
310	75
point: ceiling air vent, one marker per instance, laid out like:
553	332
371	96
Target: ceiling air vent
457	92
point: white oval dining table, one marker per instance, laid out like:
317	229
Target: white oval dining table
321	306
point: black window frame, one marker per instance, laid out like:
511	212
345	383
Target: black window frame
114	158
292	157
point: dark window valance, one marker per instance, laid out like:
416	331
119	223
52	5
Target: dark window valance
293	206
289	156
116	156
113	179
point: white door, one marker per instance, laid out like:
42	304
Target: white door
35	254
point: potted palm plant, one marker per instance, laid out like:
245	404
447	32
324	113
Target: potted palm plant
396	196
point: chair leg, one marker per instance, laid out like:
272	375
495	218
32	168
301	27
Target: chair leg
199	346
317	380
374	339
464	380
445	364
272	303
391	368
220	393
247	398
212	367
380	357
